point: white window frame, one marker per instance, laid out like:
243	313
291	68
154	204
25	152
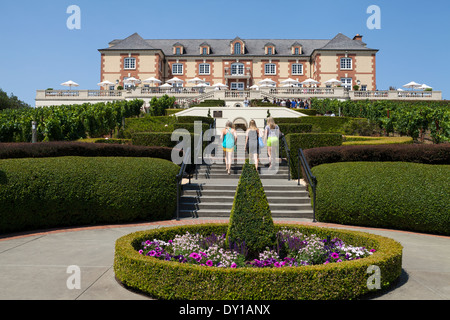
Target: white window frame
177	68
346	64
237	69
347	83
204	69
270	69
204	50
270	50
237	45
295	69
297	51
129	63
237	85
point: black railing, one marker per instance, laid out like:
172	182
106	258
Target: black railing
180	176
288	155
310	178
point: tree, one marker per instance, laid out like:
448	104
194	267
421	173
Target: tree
158	106
11	102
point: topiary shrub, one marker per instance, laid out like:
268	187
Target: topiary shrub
250	219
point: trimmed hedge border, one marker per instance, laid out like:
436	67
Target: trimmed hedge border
418	153
394	195
67	191
173	280
82	149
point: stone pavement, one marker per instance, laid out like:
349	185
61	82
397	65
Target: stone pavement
36	266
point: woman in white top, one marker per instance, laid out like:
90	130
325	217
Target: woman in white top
229	138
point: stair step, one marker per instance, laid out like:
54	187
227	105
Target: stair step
230	198
308	214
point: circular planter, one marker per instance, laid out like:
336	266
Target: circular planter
173	280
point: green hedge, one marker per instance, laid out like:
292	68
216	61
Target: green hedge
307	141
68	191
250	219
287	128
160	124
324	124
173	280
396	195
309	112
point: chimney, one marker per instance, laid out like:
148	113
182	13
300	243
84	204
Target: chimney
358	37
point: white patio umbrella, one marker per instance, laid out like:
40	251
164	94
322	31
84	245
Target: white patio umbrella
166	85
267	81
412	85
152	80
132	81
289	82
70	84
424	86
255	86
105	83
333	82
196	80
219	85
201	85
310	81
175	80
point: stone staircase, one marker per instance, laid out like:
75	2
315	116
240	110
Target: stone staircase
211	192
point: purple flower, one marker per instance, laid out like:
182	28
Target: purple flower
151	253
372	250
194	255
233	265
335	255
141	251
209	263
277	264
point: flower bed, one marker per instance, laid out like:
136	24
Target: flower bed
293	249
165	278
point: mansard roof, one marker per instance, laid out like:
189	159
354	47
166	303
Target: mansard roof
253	47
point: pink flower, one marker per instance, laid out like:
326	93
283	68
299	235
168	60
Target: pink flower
140	251
277	264
233	265
335	255
209	263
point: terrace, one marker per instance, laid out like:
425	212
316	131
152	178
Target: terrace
187	94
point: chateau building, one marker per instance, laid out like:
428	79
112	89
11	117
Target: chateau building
241	63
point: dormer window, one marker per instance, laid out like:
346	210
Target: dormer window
296	49
178	49
269	49
205	49
237	46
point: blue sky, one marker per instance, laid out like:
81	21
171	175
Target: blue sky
38	51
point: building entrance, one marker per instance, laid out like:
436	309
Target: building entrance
240	123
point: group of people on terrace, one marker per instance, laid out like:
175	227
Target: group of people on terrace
255	140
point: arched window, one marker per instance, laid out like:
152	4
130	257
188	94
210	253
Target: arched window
237	48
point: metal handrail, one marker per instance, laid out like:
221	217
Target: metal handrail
180	176
288	155
312	180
